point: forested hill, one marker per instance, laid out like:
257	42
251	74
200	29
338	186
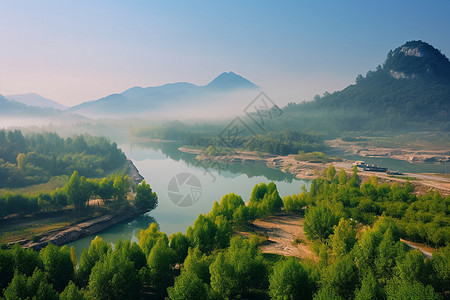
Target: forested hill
35	158
410	91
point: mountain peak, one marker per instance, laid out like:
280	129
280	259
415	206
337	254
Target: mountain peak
231	80
417	59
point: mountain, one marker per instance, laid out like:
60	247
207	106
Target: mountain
169	98
13	113
410	91
33	99
231	80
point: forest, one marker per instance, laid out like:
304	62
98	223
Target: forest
355	228
36	158
75	195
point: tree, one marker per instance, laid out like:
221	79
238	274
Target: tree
160	261
33	287
198	263
96	252
319	222
179	243
203	234
224	232
289	281
342	177
341	276
106	188
121	186
71	292
145	197
405	290
188	286
58	265
6	268
115	277
132	252
241	268
78	192
223	280
148	237
344	237
331	172
370	288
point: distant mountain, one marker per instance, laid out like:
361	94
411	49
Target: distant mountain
410	91
33	99
139	101
229	81
13	113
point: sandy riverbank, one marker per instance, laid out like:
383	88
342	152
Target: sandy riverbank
430	155
308	170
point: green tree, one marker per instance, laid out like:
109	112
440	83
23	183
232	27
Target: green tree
78	192
370	288
188	286
198	263
405	290
289	281
6	268
145	197
121	186
33	287
319	222
179	243
115	277
132	252
160	261
331	172
344	237
57	265
223	280
203	234
96	252
341	276
342	177
224	232
71	292
148	238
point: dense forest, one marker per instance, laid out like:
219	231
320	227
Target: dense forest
355	228
35	158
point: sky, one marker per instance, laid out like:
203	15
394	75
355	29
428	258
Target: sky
76	51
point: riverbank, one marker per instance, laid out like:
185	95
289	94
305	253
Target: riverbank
133	173
74	232
65	226
410	154
310	170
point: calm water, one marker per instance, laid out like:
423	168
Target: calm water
159	163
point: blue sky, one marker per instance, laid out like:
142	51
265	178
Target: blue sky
74	51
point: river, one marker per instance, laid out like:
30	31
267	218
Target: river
161	165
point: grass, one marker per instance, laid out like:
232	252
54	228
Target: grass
315	157
32	229
297	241
50	186
404	177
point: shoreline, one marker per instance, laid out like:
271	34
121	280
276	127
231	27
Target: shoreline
76	231
308	170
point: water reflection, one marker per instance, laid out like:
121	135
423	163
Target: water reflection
137	151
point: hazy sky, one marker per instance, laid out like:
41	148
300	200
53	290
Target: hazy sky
74	51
